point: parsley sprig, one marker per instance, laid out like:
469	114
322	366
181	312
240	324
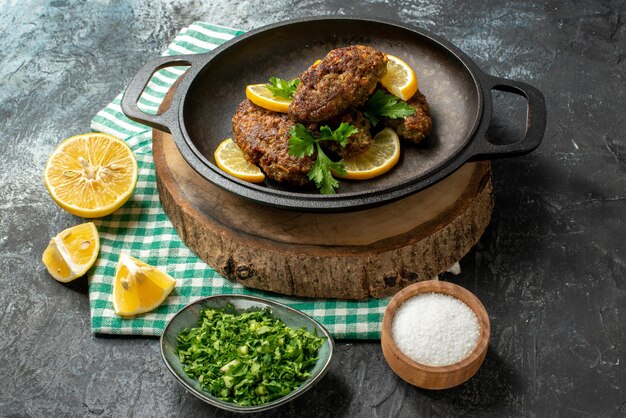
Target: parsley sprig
386	105
303	144
283	88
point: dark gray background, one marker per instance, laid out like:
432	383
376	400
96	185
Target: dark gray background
551	268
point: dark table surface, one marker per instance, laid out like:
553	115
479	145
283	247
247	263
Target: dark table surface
550	269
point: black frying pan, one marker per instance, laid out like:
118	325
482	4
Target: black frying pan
199	116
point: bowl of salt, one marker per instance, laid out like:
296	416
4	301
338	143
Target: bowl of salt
435	334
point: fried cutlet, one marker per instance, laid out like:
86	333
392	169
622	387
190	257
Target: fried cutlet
416	127
358	142
263	136
343	79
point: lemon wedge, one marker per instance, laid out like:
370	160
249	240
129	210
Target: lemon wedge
381	156
72	252
138	287
261	96
400	78
91	175
229	157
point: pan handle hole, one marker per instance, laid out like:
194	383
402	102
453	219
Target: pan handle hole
151	95
508	120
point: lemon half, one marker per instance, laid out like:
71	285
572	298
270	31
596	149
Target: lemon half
91	175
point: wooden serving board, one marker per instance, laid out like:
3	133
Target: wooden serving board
354	255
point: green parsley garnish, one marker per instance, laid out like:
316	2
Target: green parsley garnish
303	144
283	88
249	358
386	105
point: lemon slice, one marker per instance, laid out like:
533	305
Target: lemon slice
400	78
91	175
229	158
380	157
261	96
138	287
72	252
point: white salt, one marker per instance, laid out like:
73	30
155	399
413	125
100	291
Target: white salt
435	329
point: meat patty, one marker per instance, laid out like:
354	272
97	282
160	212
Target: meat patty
416	127
358	142
263	136
343	79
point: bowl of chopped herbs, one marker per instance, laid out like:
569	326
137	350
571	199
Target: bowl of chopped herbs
244	353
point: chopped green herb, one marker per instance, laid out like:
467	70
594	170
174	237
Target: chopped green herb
303	144
249	358
283	88
387	105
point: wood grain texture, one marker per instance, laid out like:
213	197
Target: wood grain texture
353	255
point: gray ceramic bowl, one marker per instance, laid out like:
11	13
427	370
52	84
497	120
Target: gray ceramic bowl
188	317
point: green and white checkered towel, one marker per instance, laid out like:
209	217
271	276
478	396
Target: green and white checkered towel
141	228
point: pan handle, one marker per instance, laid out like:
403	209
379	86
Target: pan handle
535	120
139	82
